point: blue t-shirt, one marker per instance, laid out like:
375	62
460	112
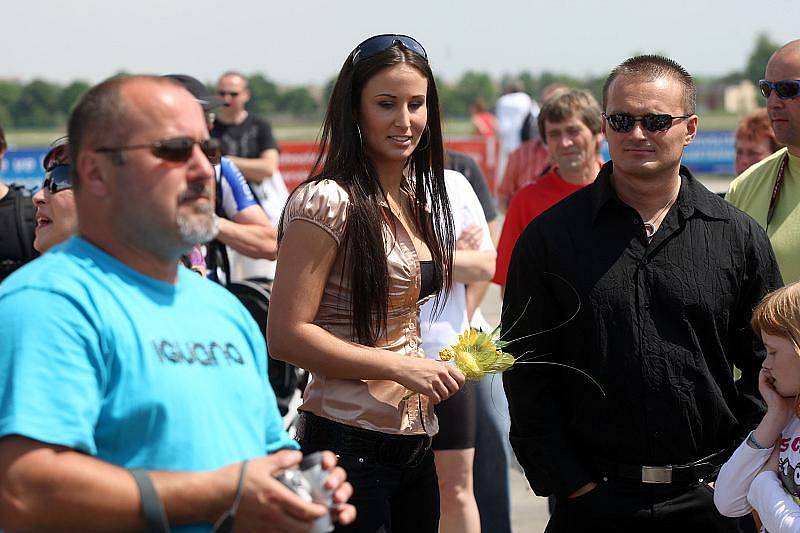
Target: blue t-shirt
137	372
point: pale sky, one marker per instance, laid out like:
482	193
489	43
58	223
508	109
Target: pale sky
306	41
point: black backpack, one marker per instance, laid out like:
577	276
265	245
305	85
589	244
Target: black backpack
530	128
283	377
17	225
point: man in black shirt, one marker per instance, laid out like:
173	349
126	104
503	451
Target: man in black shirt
17	223
635	293
246	139
469	168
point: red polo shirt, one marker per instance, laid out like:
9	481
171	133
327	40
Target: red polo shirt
528	203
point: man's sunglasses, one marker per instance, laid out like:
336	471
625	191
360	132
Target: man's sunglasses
624	122
379	43
785	88
57	179
178	150
232	94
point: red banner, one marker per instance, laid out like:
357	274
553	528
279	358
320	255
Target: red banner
298	157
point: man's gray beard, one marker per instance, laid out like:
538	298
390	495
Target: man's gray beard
199	227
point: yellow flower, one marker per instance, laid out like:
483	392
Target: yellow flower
478	354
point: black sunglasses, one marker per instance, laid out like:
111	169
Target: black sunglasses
232	94
379	43
785	88
178	150
57	179
624	122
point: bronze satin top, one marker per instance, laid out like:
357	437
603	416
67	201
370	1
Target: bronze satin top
370	404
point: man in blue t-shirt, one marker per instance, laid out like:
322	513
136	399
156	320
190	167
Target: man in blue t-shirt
114	358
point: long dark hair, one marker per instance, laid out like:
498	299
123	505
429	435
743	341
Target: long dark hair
342	158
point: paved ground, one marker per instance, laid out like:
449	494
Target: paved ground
528	511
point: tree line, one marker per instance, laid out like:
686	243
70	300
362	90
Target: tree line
43	104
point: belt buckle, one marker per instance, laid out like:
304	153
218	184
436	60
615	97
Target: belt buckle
656	474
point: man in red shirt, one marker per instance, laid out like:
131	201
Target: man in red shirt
569	124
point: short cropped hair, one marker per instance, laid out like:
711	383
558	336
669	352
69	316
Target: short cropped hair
235	73
3	143
102	114
568	103
756	127
652	67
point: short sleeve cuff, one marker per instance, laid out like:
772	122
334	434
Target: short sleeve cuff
323	203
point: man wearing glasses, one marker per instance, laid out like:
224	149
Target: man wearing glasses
769	191
133	393
246	138
631	300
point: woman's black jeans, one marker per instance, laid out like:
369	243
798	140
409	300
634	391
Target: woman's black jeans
395	488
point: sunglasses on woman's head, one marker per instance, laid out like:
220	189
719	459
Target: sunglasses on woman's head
624	122
178	149
785	89
57	179
379	43
58	155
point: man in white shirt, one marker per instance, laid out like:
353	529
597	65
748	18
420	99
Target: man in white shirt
511	110
454	445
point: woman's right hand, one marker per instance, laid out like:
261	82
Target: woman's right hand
435	379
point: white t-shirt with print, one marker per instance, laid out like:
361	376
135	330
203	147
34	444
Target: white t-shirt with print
741	487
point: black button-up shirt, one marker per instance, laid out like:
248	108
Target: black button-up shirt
657	324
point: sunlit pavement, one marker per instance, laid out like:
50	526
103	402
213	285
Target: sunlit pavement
528	511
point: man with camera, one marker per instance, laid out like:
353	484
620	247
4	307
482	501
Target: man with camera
133	393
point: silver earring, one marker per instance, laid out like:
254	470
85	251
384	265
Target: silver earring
360	139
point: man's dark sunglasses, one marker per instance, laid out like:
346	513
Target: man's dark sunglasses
57	179
178	150
785	88
232	94
624	122
379	43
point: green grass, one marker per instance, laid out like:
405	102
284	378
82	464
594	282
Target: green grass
718	120
33	138
284	129
287	129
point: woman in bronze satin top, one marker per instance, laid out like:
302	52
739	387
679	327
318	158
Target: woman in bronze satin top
363	242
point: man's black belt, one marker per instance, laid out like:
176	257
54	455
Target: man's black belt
705	469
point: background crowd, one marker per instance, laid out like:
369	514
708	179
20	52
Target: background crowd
642	281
